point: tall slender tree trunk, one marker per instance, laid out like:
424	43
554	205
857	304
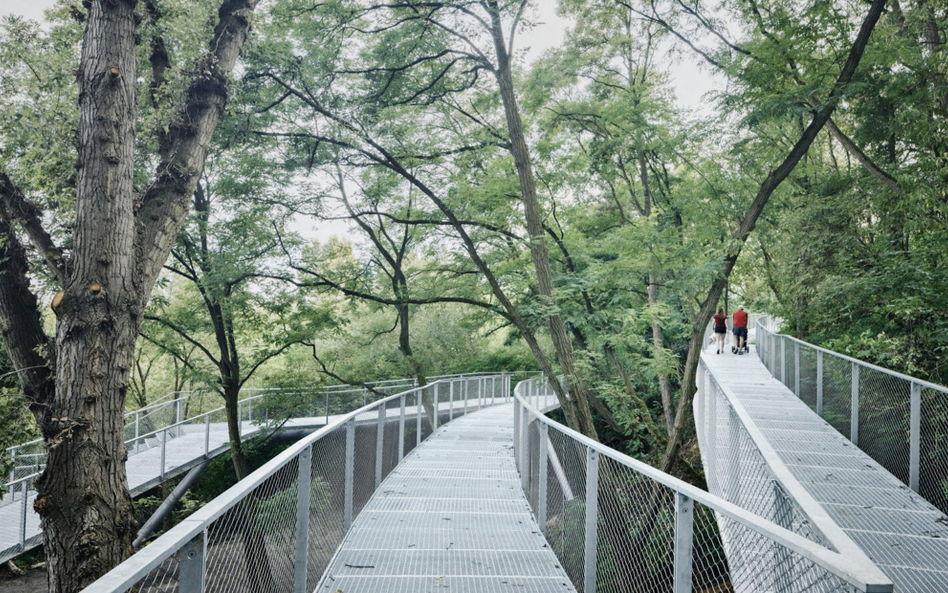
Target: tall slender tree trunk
658	344
537	237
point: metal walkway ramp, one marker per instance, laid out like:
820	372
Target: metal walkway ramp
451	517
754	429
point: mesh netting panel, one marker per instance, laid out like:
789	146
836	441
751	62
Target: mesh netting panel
363	475
635	542
933	450
884	406
250	547
710	569
808	386
162	579
533	467
837	393
327	503
390	447
566	505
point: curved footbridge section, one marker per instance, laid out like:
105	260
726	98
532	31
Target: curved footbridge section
765	450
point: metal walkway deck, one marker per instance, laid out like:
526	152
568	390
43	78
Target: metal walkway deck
903	534
451	517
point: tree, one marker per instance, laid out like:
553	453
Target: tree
123	233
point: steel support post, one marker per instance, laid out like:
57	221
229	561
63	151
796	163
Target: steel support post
819	383
684	533
179	411
303	493
435	407
137	418
417	417
592	516
733	455
365	397
191	565
401	428
541	479
379	439
350	467
207	435
796	368
915	435
450	402
463	395
24	493
854	416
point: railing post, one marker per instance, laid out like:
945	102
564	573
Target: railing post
327	407
464	394
783	360
516	439
191	565
350	466
401	429
379	438
915	434
796	368
450	402
684	532
417	418
303	493
525	450
179	411
819	383
164	439
207	435
240	418
854	416
137	419
541	496
434	421
365	396
592	516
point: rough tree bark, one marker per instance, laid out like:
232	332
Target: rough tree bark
120	245
767	188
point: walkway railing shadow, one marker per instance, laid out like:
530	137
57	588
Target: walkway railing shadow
898	420
617	524
278	529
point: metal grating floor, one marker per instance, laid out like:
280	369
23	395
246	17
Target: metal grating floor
902	533
452	519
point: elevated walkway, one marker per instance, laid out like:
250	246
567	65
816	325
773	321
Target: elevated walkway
450	517
842	496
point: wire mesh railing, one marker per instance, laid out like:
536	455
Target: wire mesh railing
617	524
278	529
898	420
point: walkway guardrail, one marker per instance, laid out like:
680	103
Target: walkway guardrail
176	407
278	529
898	420
615	522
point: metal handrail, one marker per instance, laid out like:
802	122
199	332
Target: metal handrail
855	570
924	474
188	543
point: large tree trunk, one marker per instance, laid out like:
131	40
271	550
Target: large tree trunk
658	344
83	498
531	207
119	248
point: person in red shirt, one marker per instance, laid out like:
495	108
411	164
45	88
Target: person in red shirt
740	331
720	329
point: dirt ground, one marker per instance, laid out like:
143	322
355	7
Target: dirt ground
34	581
